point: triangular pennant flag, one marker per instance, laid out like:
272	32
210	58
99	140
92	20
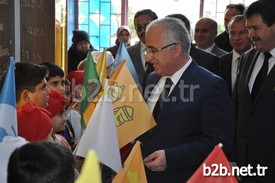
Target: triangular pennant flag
101	135
90	90
90	171
133	168
221	166
8	117
132	115
122	54
101	67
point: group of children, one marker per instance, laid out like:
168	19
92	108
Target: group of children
48	102
42	103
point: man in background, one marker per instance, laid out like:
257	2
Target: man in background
222	40
240	41
206	30
202	58
136	52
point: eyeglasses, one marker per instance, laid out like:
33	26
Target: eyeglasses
140	27
148	51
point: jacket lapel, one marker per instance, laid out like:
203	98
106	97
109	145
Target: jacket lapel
268	83
176	94
251	58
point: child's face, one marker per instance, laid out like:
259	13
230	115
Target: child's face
56	83
59	122
40	96
67	94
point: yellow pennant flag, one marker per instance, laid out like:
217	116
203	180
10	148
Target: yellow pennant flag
101	67
133	168
90	171
132	116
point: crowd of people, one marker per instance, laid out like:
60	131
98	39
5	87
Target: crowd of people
210	90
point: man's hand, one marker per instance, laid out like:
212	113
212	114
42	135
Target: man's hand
156	161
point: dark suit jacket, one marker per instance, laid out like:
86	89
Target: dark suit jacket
134	53
222	41
255	142
218	51
225	70
189	127
205	59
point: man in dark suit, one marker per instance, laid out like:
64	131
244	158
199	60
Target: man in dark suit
222	40
206	30
136	52
202	58
239	40
255	102
192	116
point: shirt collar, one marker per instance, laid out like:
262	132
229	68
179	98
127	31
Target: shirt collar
235	56
176	76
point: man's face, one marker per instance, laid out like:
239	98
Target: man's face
83	46
204	34
238	36
56	83
229	13
140	25
163	60
263	37
40	96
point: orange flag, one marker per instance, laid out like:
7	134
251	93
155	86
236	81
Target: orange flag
132	116
214	169
133	168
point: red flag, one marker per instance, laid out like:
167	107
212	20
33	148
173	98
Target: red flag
214	169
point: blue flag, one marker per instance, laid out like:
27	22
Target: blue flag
122	54
8	117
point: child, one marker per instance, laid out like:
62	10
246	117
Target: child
32	96
57	114
56	82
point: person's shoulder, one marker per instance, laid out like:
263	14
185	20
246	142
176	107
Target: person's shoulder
134	47
28	107
204	54
32	111
207	75
227	55
218	51
222	35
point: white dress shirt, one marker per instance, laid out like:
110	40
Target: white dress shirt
234	67
152	100
142	53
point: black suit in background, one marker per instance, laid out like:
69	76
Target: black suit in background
225	70
222	41
204	59
134	53
255	142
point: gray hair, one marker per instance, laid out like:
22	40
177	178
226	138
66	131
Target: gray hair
236	18
175	32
